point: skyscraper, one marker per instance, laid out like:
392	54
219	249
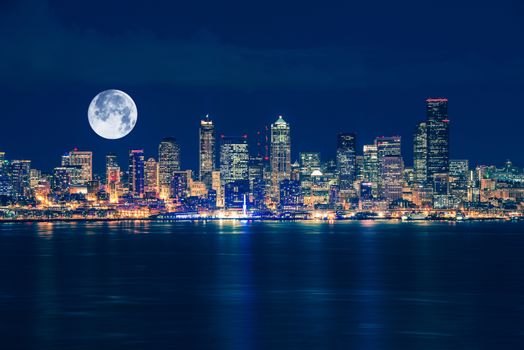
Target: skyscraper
390	165
20	179
136	172
420	154
83	159
168	164
346	160
234	159
438	138
207	151
280	156
151	177
370	164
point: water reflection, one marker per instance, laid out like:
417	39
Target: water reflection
242	285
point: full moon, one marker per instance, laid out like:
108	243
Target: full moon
112	114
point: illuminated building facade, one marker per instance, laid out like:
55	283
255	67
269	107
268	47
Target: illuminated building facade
370	168
346	160
234	159
168	164
437	139
207	151
420	154
280	154
20	178
82	159
458	178
309	162
391	170
389	164
136	172
151	177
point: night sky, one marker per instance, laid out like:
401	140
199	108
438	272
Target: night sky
328	67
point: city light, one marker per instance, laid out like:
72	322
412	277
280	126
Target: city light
235	183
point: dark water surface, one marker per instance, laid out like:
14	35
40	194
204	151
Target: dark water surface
265	285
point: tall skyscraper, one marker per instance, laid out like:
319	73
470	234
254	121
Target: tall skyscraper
280	155
370	164
420	154
20	177
168	164
82	159
136	172
438	137
207	151
346	160
151	176
234	159
390	165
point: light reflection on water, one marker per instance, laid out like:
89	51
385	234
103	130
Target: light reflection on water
267	285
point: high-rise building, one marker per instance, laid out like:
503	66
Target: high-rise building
207	151
151	176
390	162
20	177
458	177
216	185
168	164
391	177
83	159
111	164
5	177
280	156
438	137
136	172
370	164
234	159
346	160
420	154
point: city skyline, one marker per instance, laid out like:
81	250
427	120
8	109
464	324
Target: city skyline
408	151
360	68
266	181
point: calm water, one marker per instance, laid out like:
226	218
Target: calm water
359	285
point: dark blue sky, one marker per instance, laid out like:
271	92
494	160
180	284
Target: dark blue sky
327	66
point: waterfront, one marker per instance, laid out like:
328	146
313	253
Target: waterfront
236	285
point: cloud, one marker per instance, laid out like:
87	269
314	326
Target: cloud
37	48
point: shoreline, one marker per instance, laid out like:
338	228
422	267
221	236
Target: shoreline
398	220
